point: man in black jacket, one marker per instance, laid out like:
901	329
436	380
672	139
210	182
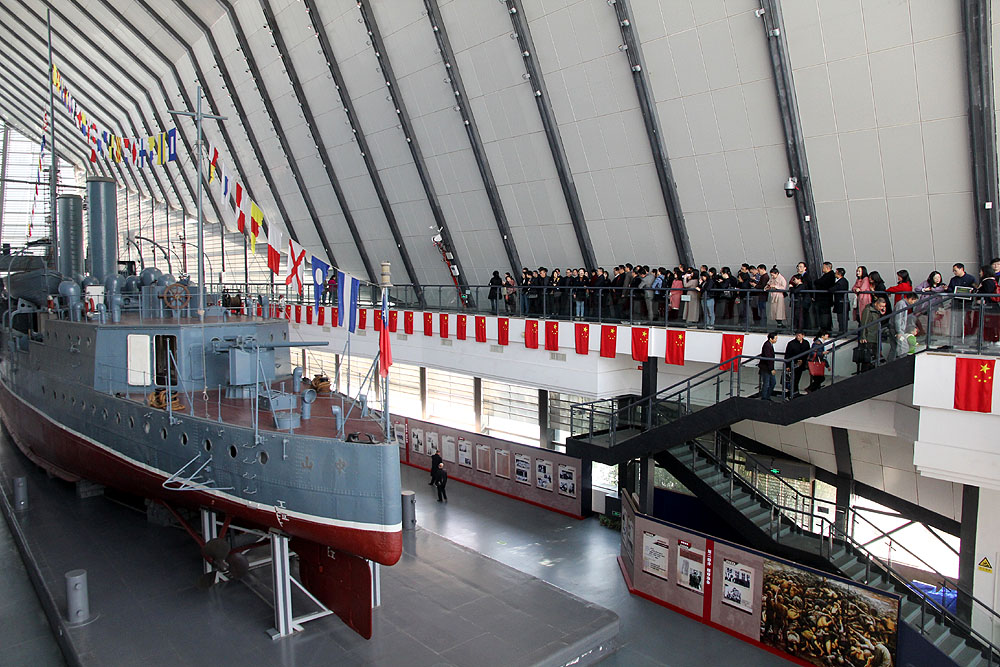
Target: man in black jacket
823	298
435	464
766	366
797	346
441	482
841	302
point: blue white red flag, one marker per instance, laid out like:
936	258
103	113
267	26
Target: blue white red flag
347	300
319	270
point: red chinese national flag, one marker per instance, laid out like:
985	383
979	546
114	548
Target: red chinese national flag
334	317
460	327
288	312
443	325
732	346
503	331
309	314
393	320
531	334
260	310
321	315
609	340
376	320
480	329
428	324
675	348
552	336
640	343
974	384
362	318
298	314
582	338
408	322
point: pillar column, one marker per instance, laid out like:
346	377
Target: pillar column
423	392
647	467
544	433
477	402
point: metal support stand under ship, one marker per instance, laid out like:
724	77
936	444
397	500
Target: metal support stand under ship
119	381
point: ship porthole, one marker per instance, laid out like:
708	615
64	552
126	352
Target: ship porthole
232	451
72	400
145	427
83	405
208	445
104	413
118	417
184	438
163	432
131	422
262	457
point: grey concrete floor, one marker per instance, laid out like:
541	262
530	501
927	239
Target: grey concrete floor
579	557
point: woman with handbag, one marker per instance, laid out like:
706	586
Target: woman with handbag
817	362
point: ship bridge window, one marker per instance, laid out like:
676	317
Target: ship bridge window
165	357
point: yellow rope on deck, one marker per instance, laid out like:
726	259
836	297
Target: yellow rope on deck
158	400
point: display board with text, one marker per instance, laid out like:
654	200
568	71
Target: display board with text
809	616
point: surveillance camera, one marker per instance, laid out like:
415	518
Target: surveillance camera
791	187
436	238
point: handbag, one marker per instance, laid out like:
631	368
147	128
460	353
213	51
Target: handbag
862	355
817	368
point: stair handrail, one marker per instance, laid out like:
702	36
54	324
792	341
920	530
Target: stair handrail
844	536
732	365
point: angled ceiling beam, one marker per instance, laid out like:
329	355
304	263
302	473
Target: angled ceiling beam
651	119
23	115
30	94
366	154
520	22
795	145
149	100
234	98
982	125
368	16
303	100
278	130
472	130
144	122
83	77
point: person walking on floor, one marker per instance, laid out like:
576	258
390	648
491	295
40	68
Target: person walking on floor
441	481
435	464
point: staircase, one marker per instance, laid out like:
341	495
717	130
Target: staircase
788	529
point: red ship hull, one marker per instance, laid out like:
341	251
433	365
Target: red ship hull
73	456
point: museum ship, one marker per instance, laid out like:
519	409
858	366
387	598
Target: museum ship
121	381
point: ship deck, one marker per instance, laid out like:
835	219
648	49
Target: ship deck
239	412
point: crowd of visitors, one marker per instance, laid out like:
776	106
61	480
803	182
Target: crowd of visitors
825	300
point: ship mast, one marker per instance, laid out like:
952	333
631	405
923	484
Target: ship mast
198	116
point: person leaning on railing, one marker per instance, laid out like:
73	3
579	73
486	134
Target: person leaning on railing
869	335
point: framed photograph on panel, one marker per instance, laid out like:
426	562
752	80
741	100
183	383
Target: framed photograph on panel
432	443
448	448
483	458
543	474
417	440
654	554
399	430
464	453
502	467
737	585
690	567
567	480
522	468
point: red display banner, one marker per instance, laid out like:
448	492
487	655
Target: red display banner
531	334
260	310
582	338
443	325
732	346
288	312
480	329
640	343
408	322
298	314
376	320
334	316
609	340
321	315
428	324
362	318
675	347
503	331
393	320
974	384
309	314
460	327
552	336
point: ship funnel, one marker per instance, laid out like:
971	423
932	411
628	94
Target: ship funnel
69	218
102	218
